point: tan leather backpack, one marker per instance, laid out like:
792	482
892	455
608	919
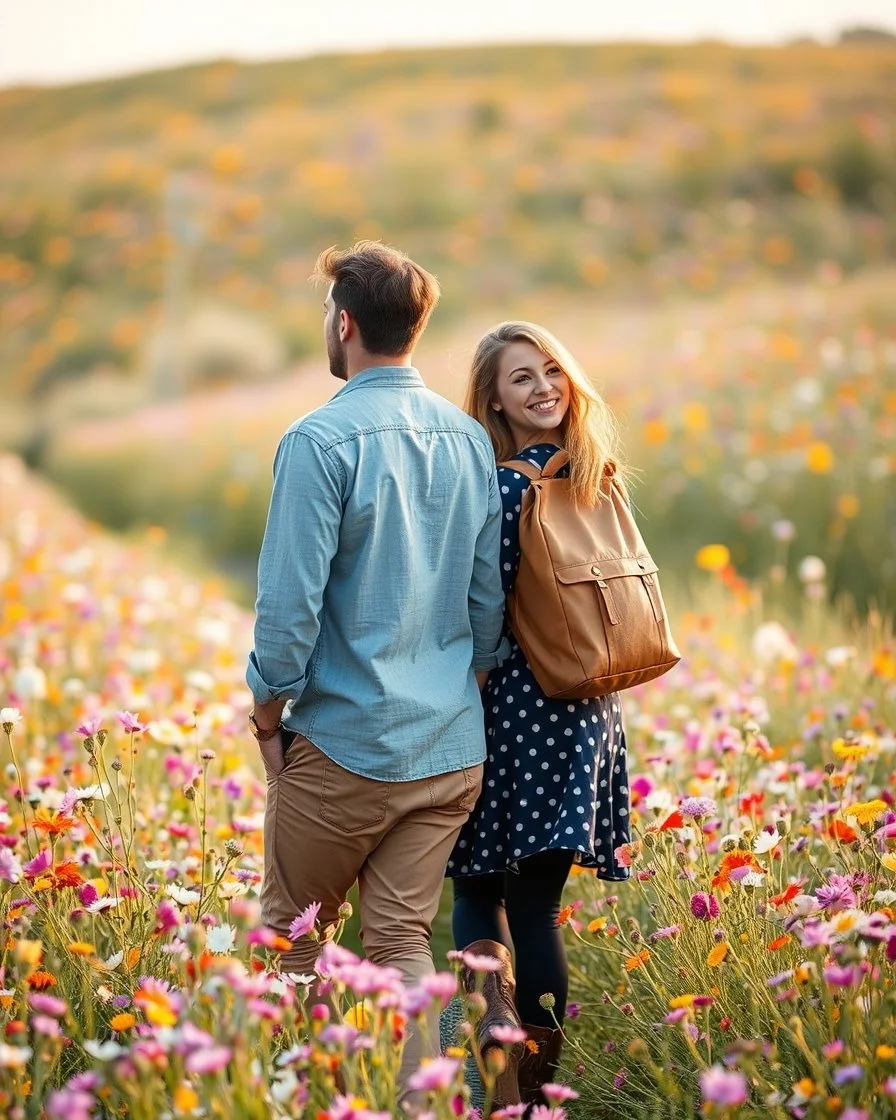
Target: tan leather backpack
585	606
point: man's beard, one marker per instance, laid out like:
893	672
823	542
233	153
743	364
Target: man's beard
336	356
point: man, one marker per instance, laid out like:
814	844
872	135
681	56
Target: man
379	614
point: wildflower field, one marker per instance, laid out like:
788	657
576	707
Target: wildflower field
711	231
746	969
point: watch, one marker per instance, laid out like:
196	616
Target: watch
261	736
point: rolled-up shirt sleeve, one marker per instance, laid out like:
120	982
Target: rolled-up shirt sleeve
486	598
300	541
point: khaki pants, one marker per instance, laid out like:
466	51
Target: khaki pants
326	828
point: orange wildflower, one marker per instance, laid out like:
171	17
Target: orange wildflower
717	954
565	914
122	1022
779	942
38	981
787	895
637	960
841	831
53	824
730	862
67	875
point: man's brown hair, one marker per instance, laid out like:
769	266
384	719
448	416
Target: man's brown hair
389	296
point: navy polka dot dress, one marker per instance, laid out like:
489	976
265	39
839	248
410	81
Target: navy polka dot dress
556	774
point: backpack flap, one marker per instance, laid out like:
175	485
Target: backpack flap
602	571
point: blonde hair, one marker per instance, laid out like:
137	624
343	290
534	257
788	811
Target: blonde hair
589	430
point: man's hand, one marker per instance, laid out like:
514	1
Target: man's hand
267	716
272	755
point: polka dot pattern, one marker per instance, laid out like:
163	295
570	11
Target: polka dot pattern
556	773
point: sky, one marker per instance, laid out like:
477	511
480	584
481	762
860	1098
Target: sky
57	41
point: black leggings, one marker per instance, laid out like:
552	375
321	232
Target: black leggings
520	910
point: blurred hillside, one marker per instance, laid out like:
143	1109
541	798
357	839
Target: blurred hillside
711	229
158	231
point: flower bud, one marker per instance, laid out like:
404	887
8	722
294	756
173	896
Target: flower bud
547	1001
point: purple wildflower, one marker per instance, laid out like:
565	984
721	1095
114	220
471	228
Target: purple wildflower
845	1074
666	931
698	807
837	895
842	975
704	906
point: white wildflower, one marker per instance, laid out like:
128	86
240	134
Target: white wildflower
221	939
766	841
182	895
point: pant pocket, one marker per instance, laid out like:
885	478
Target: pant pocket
468	783
351	802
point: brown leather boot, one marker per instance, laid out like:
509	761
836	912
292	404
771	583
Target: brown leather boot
498	989
538	1066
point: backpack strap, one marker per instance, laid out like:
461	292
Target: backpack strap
522	467
556	463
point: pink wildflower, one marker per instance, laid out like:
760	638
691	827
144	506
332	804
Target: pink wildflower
10	868
558	1094
41	862
507	1035
90	726
719	1086
130	722
480	963
47	1005
435	1075
209	1060
70	1104
304	923
45	1025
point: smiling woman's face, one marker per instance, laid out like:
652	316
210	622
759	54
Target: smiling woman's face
532	392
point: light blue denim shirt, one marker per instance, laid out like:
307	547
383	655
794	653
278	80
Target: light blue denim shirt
379	590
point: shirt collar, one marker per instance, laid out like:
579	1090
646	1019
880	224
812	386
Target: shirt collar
386	377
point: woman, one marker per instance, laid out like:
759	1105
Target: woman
555	790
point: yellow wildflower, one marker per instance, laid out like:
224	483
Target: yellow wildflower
682	1001
359	1014
713	557
81	948
29	952
597	925
885	1052
866	812
185	1098
851	752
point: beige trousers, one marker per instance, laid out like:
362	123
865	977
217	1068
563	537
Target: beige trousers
326	828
